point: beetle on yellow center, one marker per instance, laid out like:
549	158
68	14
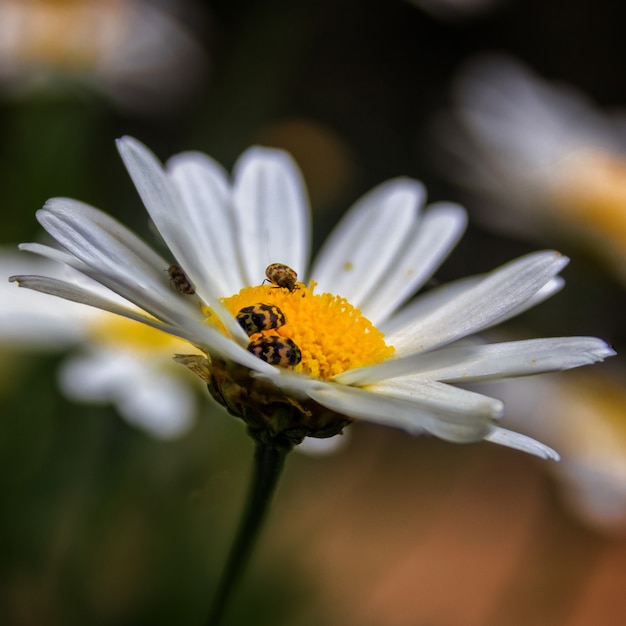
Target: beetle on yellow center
259	317
276	351
281	275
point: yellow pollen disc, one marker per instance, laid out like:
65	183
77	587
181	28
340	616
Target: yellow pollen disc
332	335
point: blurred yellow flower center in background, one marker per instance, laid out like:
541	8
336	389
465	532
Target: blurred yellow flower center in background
69	33
113	330
604	399
592	195
590	409
332	335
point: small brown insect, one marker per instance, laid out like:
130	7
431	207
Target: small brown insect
276	351
259	317
179	280
281	275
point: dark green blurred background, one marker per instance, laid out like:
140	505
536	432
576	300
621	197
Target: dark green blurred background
101	524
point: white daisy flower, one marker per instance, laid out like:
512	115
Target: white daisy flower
110	359
329	363
132	51
539	157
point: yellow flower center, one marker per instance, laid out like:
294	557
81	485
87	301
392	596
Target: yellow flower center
331	334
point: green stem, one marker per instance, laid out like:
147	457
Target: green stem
269	459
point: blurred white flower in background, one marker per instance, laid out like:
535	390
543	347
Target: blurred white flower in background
132	51
583	415
112	360
541	161
540	158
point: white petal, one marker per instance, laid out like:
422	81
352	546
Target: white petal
450	402
475	309
104	291
197	333
98	240
426	303
109	253
362	247
547	291
470	363
76	293
107	290
521	442
435	235
54	254
272	213
164	204
206	214
291	383
73	270
444	411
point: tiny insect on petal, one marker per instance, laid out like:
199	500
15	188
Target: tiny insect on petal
276	351
179	280
259	317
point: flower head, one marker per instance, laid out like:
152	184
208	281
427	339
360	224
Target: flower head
131	50
539	157
347	348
